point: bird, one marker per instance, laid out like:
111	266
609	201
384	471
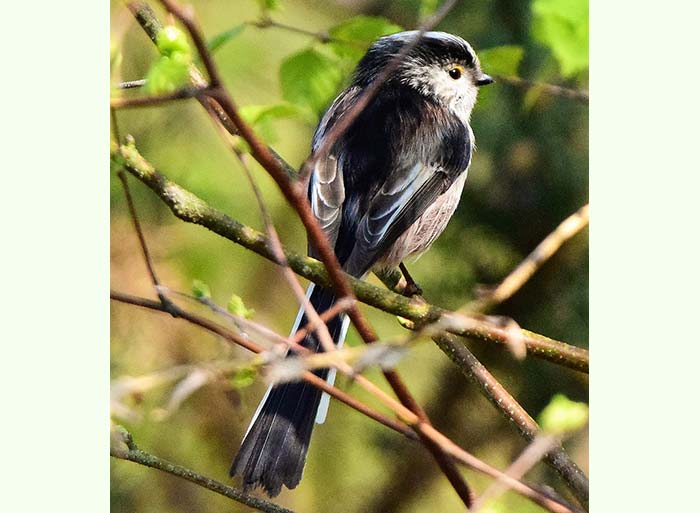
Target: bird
382	191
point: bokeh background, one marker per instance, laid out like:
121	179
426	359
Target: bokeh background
529	173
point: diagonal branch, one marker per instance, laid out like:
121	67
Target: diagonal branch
505	403
192	209
524	271
136	455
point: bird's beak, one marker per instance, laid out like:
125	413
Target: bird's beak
484	79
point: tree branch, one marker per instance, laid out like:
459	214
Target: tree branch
580	95
505	403
136	455
192	209
524	271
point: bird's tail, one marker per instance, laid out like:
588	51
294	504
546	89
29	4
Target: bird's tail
274	449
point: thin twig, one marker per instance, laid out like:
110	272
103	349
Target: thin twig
165	301
136	455
267	22
524	271
132	84
152	101
532	454
580	95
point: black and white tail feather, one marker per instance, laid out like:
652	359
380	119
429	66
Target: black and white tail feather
383	192
274	448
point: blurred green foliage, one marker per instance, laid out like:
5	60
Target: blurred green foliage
530	171
562	25
563	415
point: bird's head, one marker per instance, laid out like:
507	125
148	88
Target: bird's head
442	66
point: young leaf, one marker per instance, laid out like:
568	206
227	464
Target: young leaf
171	71
501	60
219	40
171	39
236	307
310	80
562	415
562	26
168	74
353	37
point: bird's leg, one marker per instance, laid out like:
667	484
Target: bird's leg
411	288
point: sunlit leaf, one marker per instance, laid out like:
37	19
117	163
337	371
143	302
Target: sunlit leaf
310	79
562	26
168	74
171	39
354	36
237	307
501	60
562	415
219	40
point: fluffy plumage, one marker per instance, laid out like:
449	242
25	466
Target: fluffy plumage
386	190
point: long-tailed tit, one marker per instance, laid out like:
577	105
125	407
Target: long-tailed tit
383	192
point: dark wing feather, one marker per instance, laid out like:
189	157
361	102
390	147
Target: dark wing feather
326	186
401	153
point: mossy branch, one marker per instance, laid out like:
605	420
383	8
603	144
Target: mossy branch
131	452
192	209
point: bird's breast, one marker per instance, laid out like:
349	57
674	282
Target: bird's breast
422	233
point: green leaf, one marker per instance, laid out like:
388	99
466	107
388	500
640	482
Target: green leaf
501	60
562	415
219	40
236	307
200	290
562	26
243	377
261	117
310	80
354	36
168	74
253	114
171	39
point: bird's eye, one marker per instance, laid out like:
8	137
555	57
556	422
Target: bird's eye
455	73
